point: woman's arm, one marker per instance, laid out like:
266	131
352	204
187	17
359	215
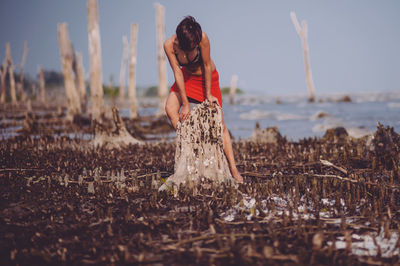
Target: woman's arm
169	50
207	64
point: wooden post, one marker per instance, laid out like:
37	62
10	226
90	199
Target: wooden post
21	80
42	85
162	67
80	80
96	84
11	74
67	57
132	72
302	31
3	81
233	89
123	70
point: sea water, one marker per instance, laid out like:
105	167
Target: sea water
296	118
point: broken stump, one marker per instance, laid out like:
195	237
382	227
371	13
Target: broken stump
113	138
199	153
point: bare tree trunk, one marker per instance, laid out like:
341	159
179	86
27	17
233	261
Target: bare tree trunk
132	72
1	86
80	80
111	88
123	70
3	81
11	74
42	85
302	31
162	67
67	57
21	86
96	84
233	89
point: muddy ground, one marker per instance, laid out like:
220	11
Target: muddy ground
65	202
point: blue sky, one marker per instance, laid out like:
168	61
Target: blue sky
354	45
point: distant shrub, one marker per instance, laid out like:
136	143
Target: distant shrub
151	91
110	91
53	78
225	90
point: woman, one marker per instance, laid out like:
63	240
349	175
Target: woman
196	78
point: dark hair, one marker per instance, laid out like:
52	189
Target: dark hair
189	33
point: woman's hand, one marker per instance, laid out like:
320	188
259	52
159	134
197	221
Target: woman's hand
185	112
212	100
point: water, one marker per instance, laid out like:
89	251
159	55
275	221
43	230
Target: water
296	118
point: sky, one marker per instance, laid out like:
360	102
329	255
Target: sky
354	45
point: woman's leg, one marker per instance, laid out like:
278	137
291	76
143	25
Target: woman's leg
229	153
172	107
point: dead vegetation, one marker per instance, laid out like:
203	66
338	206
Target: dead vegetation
63	201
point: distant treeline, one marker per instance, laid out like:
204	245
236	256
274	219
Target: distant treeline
226	90
54	80
151	91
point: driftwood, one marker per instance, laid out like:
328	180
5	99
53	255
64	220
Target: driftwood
132	72
199	153
327	163
96	84
162	63
113	138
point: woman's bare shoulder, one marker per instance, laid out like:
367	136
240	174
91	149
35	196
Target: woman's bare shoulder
204	39
170	41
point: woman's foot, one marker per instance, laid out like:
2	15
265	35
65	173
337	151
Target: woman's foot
236	175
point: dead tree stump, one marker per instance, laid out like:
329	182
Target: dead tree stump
3	74
132	73
67	58
11	74
123	70
161	58
116	137
199	153
80	80
232	91
302	31
96	84
21	76
269	135
42	84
